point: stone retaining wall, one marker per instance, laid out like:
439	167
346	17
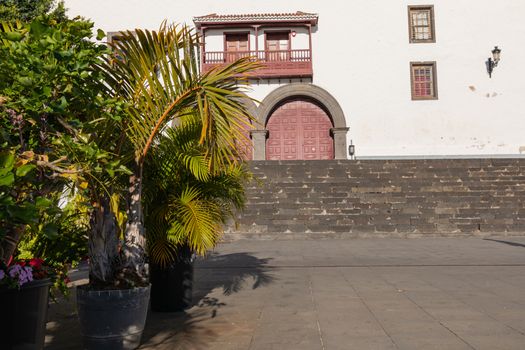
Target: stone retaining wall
383	197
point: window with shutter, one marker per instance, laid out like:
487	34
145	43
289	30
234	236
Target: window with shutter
423	80
421	24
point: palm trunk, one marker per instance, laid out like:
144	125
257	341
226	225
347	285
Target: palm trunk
103	244
10	242
135	248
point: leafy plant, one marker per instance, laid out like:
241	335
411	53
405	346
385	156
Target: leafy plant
21	204
53	106
186	204
28	10
67	242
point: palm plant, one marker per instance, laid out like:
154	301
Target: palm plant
157	73
186	203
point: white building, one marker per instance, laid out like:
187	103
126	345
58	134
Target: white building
397	78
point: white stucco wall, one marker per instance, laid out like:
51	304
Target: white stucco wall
361	55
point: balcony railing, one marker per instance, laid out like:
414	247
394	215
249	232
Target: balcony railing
275	64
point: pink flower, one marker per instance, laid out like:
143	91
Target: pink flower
23	273
14	270
28	274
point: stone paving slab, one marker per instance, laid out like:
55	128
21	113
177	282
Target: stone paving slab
427	293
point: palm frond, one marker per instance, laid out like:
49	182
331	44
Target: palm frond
195	221
159	72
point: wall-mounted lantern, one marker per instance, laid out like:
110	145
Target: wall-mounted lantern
351	150
492	62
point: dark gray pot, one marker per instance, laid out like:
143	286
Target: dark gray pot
23	316
112	319
172	286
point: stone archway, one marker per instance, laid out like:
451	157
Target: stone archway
299	129
294	90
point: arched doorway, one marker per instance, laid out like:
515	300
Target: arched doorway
312	93
299	129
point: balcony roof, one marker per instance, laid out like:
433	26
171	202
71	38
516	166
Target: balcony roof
297	17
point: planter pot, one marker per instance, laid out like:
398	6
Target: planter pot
172	286
112	319
24	315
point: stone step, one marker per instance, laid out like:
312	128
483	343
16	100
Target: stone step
390	197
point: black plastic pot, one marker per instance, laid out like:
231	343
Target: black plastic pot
112	319
172	286
23	316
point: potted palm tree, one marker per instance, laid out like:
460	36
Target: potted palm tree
187	201
156	76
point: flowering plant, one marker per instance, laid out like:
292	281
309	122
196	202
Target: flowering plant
18	273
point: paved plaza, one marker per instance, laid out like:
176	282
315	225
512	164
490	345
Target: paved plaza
424	293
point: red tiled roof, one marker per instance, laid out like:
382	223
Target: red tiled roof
257	17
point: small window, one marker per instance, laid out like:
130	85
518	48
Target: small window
421	24
113	38
423	80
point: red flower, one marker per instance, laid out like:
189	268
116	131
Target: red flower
36	263
21	263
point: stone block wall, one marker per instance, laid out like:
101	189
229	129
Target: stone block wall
345	198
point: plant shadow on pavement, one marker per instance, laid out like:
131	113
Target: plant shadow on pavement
179	330
230	273
514	244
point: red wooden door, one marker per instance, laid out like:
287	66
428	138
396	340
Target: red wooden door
299	129
236	46
277	46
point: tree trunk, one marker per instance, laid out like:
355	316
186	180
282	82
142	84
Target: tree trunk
10	242
135	248
103	243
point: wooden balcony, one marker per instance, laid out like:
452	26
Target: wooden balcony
276	64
